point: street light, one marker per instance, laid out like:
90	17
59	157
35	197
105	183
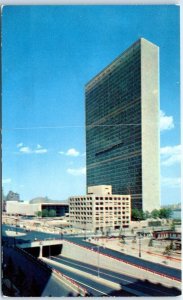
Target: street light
84	230
98	259
139	245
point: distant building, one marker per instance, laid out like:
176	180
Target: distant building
12	196
167	235
28	209
122	126
167	238
100	210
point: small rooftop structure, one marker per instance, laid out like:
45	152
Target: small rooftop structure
100	190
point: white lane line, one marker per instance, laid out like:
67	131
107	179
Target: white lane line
83	283
113	276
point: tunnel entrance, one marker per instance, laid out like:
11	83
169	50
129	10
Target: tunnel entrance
52	250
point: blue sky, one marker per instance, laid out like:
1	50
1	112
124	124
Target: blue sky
49	53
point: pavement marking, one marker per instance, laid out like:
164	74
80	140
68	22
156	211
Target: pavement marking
133	264
113	276
84	283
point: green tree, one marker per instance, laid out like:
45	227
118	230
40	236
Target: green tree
142	215
45	213
147	215
165	213
52	213
167	250
38	213
135	214
138	214
155	214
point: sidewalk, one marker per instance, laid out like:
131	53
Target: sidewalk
147	253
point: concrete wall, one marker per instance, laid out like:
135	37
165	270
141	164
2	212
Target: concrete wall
46	283
150	125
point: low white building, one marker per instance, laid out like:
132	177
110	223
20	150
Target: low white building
21	208
31	209
100	210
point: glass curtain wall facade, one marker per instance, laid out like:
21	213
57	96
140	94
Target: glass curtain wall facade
114	126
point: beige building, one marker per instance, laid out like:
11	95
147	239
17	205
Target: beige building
31	209
100	210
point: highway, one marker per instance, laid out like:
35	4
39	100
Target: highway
131	259
93	287
30	236
127	283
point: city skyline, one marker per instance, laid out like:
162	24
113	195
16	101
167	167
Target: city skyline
48	57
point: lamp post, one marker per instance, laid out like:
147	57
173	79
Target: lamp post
139	246
85	230
98	259
16	225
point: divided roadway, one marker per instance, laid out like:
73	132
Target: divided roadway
127	283
154	267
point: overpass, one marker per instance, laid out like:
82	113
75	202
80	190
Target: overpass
86	252
43	248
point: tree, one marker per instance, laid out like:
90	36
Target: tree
135	214
165	213
138	214
45	213
167	250
155	214
52	213
38	213
147	215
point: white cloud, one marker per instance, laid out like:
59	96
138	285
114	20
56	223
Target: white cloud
28	150
172	182
40	151
19	145
77	172
6	181
70	152
166	122
25	150
170	155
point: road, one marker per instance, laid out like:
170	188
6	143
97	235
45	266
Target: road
131	259
30	236
93	287
127	283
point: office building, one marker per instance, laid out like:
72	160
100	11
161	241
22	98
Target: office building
100	210
122	126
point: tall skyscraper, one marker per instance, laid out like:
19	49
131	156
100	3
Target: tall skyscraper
122	126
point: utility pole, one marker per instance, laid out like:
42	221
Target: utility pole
139	245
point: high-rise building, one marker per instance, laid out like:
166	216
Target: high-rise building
122	126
